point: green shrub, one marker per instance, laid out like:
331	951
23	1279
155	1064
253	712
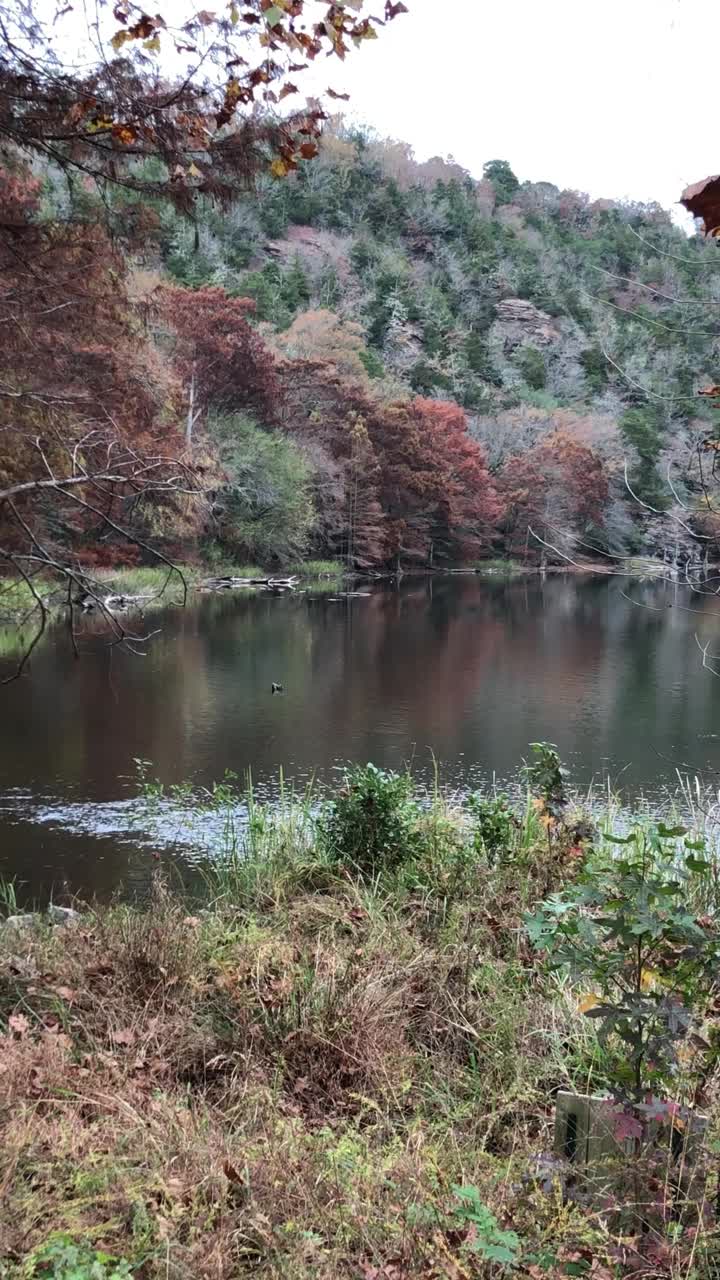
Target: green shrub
264	510
627	932
495	824
487	1239
545	777
374	823
63	1259
531	364
595	367
373	364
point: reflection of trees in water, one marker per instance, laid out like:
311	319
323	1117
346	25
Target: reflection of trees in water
470	669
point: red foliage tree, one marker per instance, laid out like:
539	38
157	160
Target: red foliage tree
426	489
222	361
84	453
435	486
331	417
559	486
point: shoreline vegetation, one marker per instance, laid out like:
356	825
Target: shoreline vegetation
342	1058
156	586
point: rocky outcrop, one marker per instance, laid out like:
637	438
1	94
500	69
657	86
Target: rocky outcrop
522	322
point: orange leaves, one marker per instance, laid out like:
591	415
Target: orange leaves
124	134
126	104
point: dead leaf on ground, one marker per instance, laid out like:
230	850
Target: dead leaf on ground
231	1173
68	994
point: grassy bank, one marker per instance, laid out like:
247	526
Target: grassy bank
341	1064
150	586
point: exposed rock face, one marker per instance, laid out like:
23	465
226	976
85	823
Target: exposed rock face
521	321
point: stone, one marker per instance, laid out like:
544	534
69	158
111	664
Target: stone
521	321
63	915
25	921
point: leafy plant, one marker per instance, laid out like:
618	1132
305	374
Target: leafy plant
546	776
64	1259
626	931
8	897
495	824
485	1236
373	824
531	364
264	507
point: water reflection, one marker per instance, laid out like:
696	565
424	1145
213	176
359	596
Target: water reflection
461	669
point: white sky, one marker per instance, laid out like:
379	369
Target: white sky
615	99
607	99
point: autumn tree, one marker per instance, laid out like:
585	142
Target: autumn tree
321	335
557	488
435	488
331	417
86	455
220	358
212	127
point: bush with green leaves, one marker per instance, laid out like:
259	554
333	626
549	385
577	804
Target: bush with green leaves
373	825
65	1259
264	510
495	825
486	1237
545	776
531	364
627	932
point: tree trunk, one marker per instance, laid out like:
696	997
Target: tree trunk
191	412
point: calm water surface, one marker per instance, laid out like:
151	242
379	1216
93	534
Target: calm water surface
456	668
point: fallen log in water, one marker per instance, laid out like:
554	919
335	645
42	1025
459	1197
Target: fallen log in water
112	604
230	583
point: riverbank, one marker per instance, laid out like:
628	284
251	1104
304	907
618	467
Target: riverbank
150	587
149	583
341	1063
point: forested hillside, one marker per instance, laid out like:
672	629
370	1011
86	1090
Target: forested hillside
371	359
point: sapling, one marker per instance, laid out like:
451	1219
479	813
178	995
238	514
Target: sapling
625	930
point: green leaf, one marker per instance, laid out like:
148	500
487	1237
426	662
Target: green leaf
669	833
273	15
697	864
619	839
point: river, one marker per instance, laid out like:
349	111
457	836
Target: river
460	671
